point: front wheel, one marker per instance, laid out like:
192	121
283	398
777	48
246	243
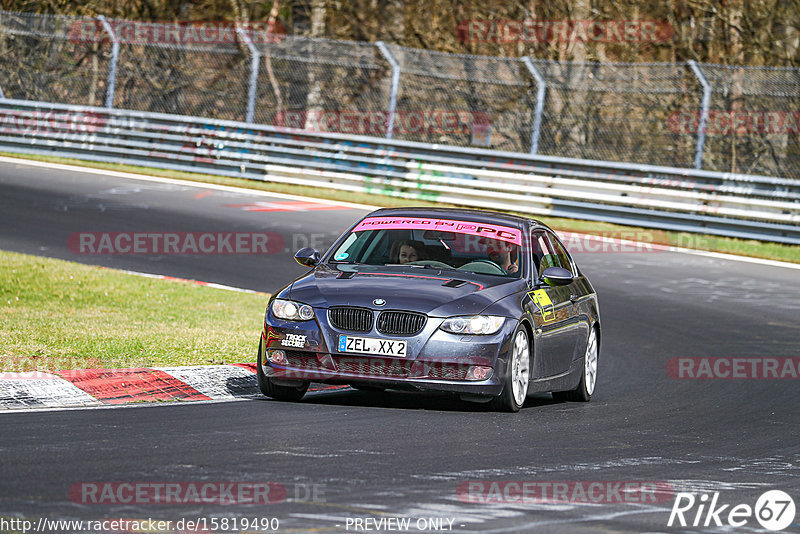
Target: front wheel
277	392
518	372
583	393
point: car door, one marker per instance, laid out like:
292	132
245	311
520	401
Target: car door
580	322
553	313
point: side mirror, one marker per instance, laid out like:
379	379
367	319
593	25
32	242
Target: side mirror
556	276
307	257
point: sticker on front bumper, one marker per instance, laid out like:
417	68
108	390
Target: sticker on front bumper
294	340
370	345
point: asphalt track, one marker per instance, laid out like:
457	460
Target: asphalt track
403	455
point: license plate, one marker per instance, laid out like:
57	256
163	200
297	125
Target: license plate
370	345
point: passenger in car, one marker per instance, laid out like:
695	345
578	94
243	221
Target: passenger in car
406	251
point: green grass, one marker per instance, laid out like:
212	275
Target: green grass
743	247
57	315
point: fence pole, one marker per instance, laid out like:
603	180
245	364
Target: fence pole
395	85
112	67
1	88
541	88
253	85
701	128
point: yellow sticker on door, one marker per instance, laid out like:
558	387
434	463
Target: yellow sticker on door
543	303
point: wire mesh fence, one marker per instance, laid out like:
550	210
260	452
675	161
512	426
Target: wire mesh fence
322	85
469	100
754	120
40	61
618	111
639	113
204	81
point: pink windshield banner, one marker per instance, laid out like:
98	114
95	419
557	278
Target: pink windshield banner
492	231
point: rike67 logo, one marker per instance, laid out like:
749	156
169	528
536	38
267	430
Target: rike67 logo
774	510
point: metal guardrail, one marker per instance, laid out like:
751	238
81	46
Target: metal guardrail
736	205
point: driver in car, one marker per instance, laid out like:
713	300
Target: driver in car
503	254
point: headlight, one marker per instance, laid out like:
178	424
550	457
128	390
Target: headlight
293	311
473	324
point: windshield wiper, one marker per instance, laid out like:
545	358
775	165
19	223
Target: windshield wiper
439	268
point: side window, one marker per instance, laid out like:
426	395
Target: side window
543	256
561	254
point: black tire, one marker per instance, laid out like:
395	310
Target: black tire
277	392
582	393
511	400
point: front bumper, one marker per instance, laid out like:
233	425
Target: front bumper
435	361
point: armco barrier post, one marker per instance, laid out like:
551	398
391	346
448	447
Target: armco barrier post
395	85
112	67
701	127
541	88
253	84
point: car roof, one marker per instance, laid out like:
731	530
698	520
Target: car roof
481	216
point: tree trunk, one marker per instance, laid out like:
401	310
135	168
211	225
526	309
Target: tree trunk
314	100
273	80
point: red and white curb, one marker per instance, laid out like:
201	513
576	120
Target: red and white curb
40	390
100	387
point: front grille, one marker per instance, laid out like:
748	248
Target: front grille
382	367
353	319
400	323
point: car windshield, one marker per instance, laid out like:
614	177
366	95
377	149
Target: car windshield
433	243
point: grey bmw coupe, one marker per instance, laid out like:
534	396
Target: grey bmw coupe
489	306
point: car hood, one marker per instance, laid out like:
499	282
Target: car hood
437	293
